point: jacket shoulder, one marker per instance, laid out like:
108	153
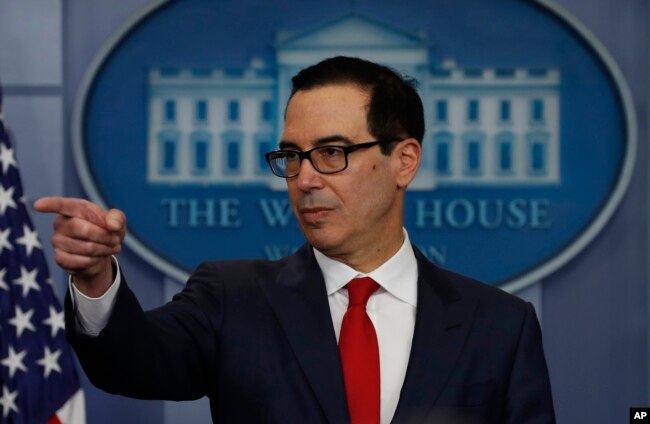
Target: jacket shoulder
452	286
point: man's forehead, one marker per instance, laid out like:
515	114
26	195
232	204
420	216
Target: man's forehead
327	112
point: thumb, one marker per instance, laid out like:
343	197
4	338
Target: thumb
115	221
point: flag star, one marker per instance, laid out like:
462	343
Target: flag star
27	280
29	239
8	401
14	361
4	240
55	321
7	158
6	199
3	284
22	321
50	361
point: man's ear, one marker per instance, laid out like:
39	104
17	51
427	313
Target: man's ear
407	156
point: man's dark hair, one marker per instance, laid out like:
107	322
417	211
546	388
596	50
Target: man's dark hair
395	109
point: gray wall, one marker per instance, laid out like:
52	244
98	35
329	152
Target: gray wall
594	309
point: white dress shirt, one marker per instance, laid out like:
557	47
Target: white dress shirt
93	313
391	309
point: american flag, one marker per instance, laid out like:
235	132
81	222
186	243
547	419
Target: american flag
38	378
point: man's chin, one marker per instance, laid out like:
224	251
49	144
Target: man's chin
321	240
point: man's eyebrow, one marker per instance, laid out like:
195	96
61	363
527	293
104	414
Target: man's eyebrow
288	145
331	139
323	141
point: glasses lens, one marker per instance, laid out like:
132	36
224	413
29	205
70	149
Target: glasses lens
328	159
285	163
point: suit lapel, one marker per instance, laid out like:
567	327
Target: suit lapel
442	322
299	300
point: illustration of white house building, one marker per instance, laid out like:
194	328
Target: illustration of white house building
485	126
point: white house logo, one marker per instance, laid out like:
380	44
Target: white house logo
213	126
527	152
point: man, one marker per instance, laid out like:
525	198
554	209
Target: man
416	344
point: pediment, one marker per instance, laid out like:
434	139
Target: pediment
350	31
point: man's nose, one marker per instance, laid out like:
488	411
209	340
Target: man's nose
309	178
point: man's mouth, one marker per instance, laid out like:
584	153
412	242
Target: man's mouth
314	214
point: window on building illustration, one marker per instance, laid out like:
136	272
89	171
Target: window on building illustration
201	111
538	157
201	148
505	152
265	147
170	111
473	156
442	158
234	72
233	156
267	110
505	156
200	143
168	152
264	143
473	73
233	111
169	155
472	110
538	72
473	160
504	72
441	111
440	72
504	111
231	153
202	72
442	143
537	110
538	153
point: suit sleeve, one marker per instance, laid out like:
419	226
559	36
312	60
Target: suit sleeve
528	398
166	353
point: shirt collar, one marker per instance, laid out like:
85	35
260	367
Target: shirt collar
398	275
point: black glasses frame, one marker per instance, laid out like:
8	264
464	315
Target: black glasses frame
307	155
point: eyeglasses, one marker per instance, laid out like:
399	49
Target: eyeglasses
324	159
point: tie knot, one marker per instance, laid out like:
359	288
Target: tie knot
360	289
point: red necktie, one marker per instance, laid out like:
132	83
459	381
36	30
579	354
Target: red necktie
360	354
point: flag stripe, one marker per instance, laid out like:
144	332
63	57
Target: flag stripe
73	412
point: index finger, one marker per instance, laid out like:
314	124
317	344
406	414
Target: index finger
72	208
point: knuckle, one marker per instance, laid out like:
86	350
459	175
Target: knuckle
86	204
87	246
61	258
83	230
57	240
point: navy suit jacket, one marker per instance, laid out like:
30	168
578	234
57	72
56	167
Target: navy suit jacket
257	338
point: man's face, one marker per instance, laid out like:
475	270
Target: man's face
358	210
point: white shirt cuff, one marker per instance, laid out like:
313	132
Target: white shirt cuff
93	313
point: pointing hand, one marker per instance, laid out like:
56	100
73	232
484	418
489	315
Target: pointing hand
85	237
